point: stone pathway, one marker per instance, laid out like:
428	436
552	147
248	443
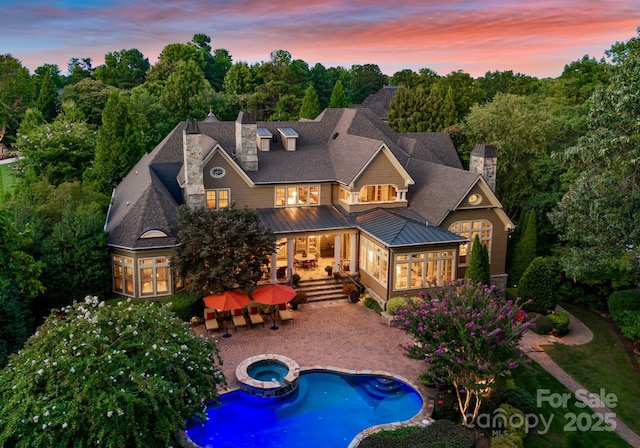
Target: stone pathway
579	333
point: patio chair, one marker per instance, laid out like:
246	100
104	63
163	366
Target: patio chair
255	316
238	319
210	319
284	313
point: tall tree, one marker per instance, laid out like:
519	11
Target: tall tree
117	148
123	69
238	79
449	113
15	95
47	101
150	119
405	77
338	96
310	104
60	151
479	270
212	242
79	69
525	250
171	56
184	83
90	96
322	83
367	79
408	110
597	217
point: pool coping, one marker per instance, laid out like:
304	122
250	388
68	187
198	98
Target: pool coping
422	417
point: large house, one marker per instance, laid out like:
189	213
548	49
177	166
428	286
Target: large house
398	210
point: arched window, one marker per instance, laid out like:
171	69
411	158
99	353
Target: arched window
469	229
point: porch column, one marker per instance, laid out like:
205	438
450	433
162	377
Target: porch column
353	253
274	267
336	253
290	265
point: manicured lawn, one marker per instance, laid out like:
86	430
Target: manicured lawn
558	435
6	180
603	363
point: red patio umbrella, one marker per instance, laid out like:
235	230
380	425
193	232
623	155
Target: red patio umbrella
273	294
228	300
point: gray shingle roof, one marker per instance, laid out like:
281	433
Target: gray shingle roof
332	148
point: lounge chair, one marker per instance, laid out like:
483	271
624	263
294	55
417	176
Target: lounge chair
238	319
284	313
210	320
255	316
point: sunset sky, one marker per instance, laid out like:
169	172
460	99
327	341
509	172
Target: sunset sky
533	37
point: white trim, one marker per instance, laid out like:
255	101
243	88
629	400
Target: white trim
408	180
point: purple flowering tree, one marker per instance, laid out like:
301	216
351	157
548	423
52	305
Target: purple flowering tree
468	336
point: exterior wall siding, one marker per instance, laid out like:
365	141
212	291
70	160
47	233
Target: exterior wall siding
379	172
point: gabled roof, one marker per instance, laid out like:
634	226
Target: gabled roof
405	228
379	102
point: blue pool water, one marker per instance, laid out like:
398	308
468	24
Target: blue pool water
268	370
328	410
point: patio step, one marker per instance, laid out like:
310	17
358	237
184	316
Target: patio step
322	289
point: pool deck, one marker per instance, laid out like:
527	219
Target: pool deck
336	334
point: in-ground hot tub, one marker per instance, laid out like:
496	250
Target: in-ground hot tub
268	376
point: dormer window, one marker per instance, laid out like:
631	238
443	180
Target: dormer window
289	137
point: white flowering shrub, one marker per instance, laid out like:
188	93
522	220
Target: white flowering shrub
113	376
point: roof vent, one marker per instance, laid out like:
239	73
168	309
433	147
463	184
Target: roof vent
335	135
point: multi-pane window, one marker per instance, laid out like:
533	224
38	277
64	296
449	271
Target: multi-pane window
374	260
423	270
469	230
122	275
218	199
297	195
377	193
154	276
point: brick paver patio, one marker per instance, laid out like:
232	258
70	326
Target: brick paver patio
339	334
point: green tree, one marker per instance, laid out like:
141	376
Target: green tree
408	110
524	130
405	77
525	250
171	56
123	69
597	217
16	322
150	119
310	104
49	70
580	78
15	95
90	96
47	101
60	151
221	250
117	149
322	83
184	83
449	114
238	79
338	96
366	79
496	82
479	270
537	286
113	376
79	69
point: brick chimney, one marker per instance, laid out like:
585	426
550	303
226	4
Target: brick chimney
246	146
483	160
194	194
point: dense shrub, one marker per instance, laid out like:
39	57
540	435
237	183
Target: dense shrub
185	305
446	406
515	434
625	300
521	399
439	434
301	297
537	285
111	376
542	325
16	322
372	303
629	323
511	293
396	303
560	321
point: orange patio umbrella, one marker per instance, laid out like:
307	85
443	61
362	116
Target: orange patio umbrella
228	300
273	294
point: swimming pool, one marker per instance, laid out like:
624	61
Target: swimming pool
328	410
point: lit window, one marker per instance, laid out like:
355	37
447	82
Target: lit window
423	269
154	276
297	195
469	230
122	275
377	193
218	199
374	260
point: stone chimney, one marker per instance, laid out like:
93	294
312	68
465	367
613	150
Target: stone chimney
194	194
483	160
246	146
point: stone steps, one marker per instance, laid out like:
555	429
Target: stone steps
319	290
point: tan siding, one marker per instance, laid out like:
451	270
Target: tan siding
498	240
373	285
380	172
